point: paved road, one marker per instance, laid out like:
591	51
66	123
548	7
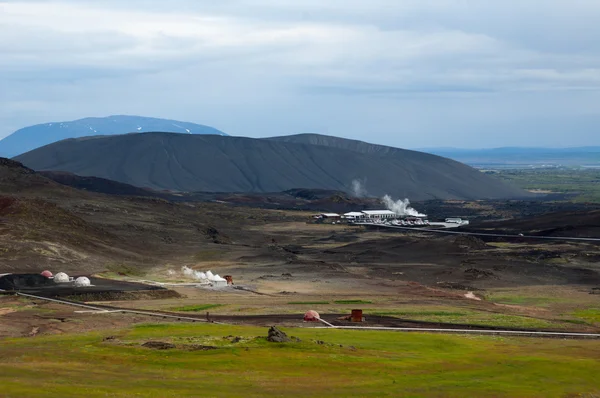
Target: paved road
446	231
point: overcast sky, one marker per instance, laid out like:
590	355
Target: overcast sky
408	73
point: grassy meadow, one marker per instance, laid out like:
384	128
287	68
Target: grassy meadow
325	363
581	183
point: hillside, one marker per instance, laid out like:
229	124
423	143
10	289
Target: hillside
100	185
32	137
47	225
187	163
15	179
343	143
44	224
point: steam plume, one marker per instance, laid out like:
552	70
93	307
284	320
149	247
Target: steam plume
358	189
201	276
401	207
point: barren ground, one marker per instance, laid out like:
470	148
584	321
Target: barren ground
286	264
334	269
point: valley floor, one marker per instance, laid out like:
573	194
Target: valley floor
217	360
284	267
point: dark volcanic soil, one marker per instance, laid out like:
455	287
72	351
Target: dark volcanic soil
565	223
45	225
458	261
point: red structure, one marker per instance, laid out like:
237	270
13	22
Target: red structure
47	274
312	316
357	316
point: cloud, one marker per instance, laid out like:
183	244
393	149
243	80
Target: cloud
205	61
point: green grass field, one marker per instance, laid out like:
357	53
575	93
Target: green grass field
353	302
351	363
590	315
197	308
474	318
583	184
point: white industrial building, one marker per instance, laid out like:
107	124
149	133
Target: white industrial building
354	215
378	214
370	215
382	215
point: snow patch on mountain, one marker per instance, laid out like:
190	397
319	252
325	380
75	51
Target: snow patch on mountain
29	138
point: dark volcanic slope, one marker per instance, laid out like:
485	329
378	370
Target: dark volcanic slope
17	179
234	164
343	143
98	185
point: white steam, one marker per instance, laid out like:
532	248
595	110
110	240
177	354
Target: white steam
201	276
401	207
358	189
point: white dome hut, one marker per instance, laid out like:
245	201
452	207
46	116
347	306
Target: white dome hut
61	277
82	281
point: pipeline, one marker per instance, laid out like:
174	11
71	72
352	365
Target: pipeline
59	301
105	309
326	323
108	309
187	284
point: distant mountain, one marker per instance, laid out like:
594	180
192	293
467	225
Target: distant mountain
187	163
32	137
521	156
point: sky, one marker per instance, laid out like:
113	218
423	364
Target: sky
406	73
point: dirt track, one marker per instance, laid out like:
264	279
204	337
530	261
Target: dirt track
295	320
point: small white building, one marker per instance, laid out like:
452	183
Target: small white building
323	216
456	220
219	283
61	277
82	281
354	215
379	214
